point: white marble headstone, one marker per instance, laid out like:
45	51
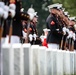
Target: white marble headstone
42	60
72	63
51	62
59	62
17	61
66	63
34	60
75	63
5	59
26	58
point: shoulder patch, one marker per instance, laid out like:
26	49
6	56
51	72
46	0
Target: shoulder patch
52	22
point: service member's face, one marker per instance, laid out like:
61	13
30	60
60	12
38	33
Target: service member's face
60	13
66	20
54	11
23	22
35	19
71	22
57	12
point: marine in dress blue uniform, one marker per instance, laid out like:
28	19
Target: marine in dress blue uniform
54	35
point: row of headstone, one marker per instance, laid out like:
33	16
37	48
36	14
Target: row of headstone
24	59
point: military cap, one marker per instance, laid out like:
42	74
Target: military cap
72	18
66	13
31	10
63	9
57	6
35	14
32	13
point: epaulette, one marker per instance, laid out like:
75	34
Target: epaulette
24	16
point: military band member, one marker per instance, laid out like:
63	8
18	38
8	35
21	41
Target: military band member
36	39
30	29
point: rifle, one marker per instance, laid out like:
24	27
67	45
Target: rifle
72	45
10	31
61	45
65	43
69	44
1	30
60	23
64	38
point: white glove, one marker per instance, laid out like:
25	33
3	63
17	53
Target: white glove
34	35
57	29
73	36
75	26
30	37
70	34
12	12
42	37
67	30
12	6
6	8
5	14
1	12
2	4
31	16
24	34
64	30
